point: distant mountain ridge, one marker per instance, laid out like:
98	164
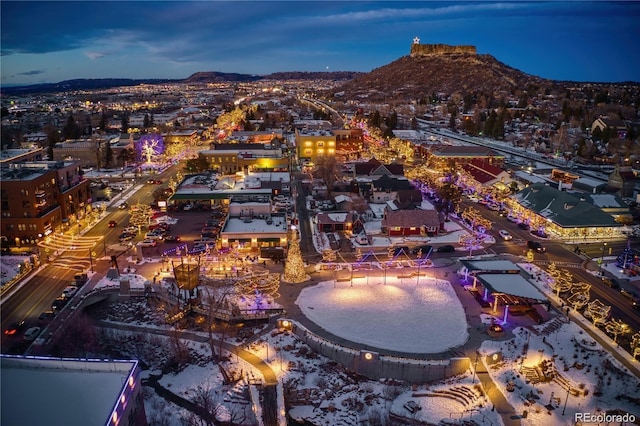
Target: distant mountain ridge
202	77
426	70
79	84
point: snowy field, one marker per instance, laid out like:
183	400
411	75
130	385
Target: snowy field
573	361
398	315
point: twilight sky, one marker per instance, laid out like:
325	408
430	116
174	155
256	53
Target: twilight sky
45	42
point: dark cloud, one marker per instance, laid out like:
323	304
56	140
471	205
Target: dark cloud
268	36
32	72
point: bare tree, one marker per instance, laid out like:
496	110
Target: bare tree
328	170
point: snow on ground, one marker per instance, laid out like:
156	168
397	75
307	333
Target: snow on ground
11	266
602	383
398	315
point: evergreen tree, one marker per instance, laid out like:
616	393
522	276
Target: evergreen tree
375	120
108	155
52	139
103	122
392	121
124	122
71	130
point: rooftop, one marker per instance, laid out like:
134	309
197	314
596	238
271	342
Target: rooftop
61	391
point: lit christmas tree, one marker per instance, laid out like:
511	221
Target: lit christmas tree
294	266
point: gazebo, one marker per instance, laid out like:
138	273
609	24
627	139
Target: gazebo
513	291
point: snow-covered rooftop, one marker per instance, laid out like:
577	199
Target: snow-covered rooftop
39	391
513	284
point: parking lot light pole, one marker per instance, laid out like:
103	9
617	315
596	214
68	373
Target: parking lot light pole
604	246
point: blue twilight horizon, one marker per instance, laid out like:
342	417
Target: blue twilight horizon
48	42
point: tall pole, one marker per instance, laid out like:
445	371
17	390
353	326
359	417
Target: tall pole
604	246
566	400
475	368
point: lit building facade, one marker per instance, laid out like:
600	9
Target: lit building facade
312	144
38	197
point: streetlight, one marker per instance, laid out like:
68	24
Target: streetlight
475	368
419	264
602	258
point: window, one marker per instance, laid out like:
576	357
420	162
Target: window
33	227
320	144
22	227
24	192
308	151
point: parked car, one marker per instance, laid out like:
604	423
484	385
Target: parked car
446	249
148	243
610	282
69	291
536	246
631	295
172	239
46	316
154	235
80	279
59	303
32	333
505	235
217	215
512	218
126	236
131	230
523	226
14	328
424	249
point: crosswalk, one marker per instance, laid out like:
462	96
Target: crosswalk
559	264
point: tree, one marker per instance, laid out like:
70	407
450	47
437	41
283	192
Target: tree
71	130
108	155
197	165
140	215
53	137
103	122
328	170
451	195
126	156
375	120
124	122
146	121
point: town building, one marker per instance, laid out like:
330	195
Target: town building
449	157
245	158
567	215
38	197
73	392
410	222
312	144
485	175
623	179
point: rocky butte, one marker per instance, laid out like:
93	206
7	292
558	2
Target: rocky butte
418	49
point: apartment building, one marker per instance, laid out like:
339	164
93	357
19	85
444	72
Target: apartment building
37	197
